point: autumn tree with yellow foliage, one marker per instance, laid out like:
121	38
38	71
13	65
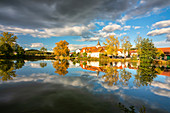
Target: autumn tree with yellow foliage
61	49
61	67
126	45
112	45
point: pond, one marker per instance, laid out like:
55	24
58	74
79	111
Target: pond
53	86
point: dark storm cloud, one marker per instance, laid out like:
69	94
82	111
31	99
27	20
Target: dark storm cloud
59	13
145	8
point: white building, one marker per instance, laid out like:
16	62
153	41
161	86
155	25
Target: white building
78	51
93	51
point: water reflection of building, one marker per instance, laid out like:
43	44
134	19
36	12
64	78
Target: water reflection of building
165	72
92	66
100	66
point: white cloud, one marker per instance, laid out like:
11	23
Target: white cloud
74	47
126	27
91	26
89	39
168	37
111	28
100	23
142	2
35	45
121	34
160	24
123	19
162	43
147	26
49	32
136	27
159	32
138	32
103	34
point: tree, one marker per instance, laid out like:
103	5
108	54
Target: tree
160	53
6	49
138	44
43	49
126	45
8	38
112	45
148	50
20	51
61	48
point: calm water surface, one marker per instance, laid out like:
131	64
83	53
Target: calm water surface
48	86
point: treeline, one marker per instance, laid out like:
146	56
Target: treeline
9	48
146	51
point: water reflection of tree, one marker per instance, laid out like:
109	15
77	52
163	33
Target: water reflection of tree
19	63
125	77
43	64
61	66
145	74
111	75
7	69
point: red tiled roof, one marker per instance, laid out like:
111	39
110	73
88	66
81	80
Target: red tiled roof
93	49
133	51
167	49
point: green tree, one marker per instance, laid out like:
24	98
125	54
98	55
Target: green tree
6	49
112	45
20	51
148	50
126	45
8	38
43	49
61	48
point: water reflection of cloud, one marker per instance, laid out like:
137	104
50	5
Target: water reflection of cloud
46	78
161	92
86	73
163	89
35	65
161	85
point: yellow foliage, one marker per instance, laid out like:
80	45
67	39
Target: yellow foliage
61	48
61	67
112	45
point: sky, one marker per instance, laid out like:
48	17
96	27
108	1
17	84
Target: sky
82	23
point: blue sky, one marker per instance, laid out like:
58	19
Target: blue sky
82	23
